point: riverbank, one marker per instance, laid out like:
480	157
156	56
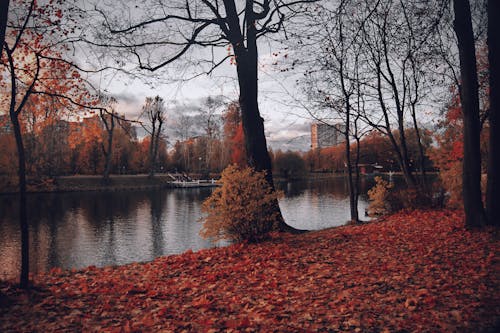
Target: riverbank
415	271
78	183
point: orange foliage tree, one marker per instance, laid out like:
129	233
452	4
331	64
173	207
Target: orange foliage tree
33	64
234	136
448	155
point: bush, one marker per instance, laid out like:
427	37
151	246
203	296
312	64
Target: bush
412	199
378	195
241	209
385	200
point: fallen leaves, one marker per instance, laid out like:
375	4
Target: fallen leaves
414	271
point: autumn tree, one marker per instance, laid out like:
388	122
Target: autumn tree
289	164
181	27
32	53
233	134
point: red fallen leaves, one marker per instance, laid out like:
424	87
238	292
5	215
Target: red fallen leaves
415	271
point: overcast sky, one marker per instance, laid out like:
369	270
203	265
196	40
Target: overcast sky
287	125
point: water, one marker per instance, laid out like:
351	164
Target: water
75	230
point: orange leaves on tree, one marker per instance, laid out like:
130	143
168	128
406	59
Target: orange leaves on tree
238	152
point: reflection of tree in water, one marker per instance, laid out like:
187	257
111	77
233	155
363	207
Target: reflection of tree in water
158	203
102	206
335	187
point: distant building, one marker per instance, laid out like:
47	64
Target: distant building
326	135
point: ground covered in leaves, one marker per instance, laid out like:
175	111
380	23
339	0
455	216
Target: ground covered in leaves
413	271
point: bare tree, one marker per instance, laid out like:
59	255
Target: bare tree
183	26
212	125
333	81
154	109
399	38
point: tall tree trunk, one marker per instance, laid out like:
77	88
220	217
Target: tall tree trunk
107	167
23	207
473	206
405	162
493	187
152	147
4	13
253	124
353	202
420	145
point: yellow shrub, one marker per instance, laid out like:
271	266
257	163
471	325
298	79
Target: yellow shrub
241	209
378	196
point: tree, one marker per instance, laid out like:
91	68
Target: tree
226	23
108	118
34	47
210	120
469	98
337	49
289	164
493	182
233	135
154	109
4	13
398	50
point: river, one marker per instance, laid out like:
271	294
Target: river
75	230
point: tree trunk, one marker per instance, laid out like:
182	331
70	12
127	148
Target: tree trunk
353	202
23	208
420	146
4	13
401	156
473	206
107	165
109	149
152	147
493	187
253	125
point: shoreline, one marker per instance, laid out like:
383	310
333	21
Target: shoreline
91	183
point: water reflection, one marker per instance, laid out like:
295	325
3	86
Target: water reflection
74	230
319	204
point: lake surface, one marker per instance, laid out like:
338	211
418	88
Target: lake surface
75	230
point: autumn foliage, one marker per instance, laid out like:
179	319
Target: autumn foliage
447	156
233	132
241	209
412	272
379	197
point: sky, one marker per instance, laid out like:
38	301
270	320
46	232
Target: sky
287	125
